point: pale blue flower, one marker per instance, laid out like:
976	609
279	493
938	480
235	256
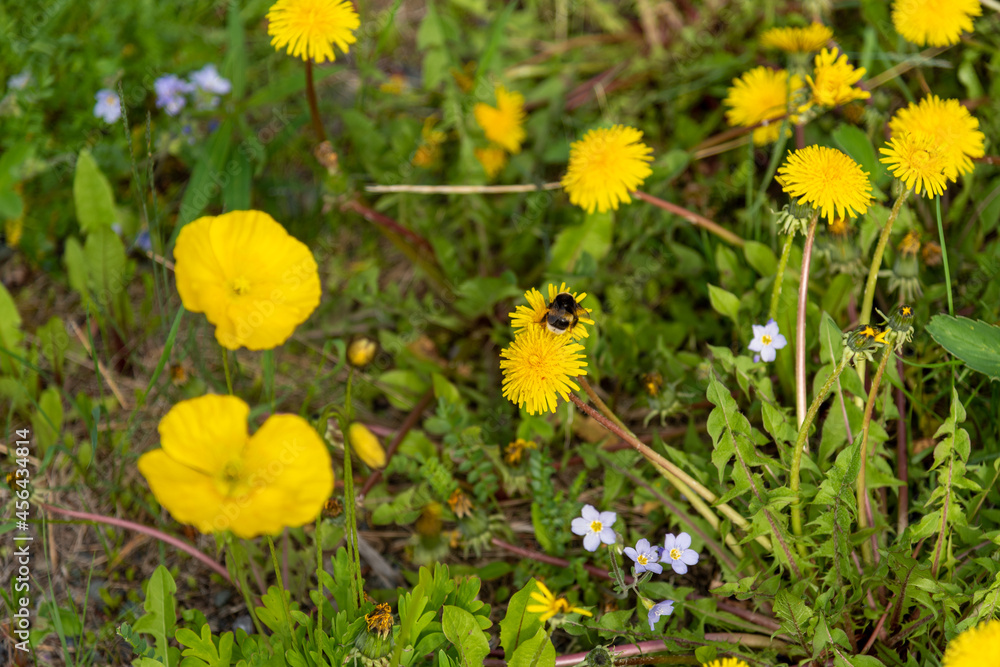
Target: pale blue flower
645	557
766	340
143	241
170	91
595	527
664	608
108	107
19	81
677	552
209	80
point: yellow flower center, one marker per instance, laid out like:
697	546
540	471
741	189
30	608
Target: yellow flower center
642	560
111	99
596	526
230	482
765	339
240	286
675	554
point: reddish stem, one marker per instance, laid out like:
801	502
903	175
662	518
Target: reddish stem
146	530
404	428
551	560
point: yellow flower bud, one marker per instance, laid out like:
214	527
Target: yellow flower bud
361	351
366	445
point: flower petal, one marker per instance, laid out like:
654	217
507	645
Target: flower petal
689	557
683	541
608	535
191	497
580	526
654	567
591	541
631	553
668	542
205	433
590	513
642	545
608	518
768	353
679	567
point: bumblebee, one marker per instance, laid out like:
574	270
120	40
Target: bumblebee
563	314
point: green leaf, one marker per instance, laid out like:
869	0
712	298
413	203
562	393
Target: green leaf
236	192
11	205
208	177
48	421
92	194
536	652
855	142
161	615
236	58
724	303
974	342
592	236
519	624
204	648
541	532
761	258
10	333
403	388
462	630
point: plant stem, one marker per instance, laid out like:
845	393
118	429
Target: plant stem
864	508
800	443
319	572
281	587
601	405
693	218
869	298
902	458
676	474
350	505
779	277
313	106
944	255
225	366
800	323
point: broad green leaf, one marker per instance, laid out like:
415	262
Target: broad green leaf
48	421
519	624
207	179
10	333
856	144
403	388
76	268
204	648
11	205
535	652
592	236
462	630
974	342
161	615
92	194
761	258
724	303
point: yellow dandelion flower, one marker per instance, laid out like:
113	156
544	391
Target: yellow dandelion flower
503	124
976	647
365	444
534	315
308	29
493	160
538	367
828	180
14	230
760	96
797	40
515	450
395	85
210	473
934	22
429	151
833	79
726	662
839	227
952	129
251	278
605	166
549	605
910	245
916	162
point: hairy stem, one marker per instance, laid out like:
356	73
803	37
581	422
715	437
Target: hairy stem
693	218
800	443
865	518
313	106
779	277
800	323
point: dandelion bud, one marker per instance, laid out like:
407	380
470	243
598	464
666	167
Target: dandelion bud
366	445
863	340
600	657
361	351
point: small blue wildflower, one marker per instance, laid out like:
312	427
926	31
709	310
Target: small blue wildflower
143	241
19	81
170	91
766	340
664	608
108	107
677	552
595	527
209	80
645	557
